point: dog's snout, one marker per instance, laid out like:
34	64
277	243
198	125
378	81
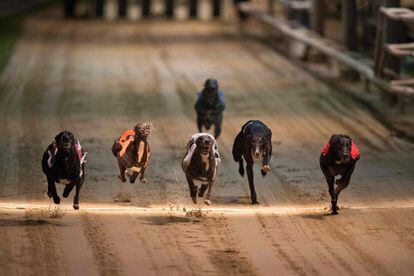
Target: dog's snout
66	145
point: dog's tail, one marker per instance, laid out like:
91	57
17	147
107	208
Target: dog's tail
116	148
238	147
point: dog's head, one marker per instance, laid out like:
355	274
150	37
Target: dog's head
257	142
65	141
204	145
210	92
142	130
340	145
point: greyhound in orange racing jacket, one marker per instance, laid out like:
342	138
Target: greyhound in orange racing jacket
132	151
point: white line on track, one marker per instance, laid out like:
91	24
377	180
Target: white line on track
107	208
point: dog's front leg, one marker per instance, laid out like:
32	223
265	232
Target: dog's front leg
122	169
249	169
133	177
200	122
343	182
218	121
210	189
142	177
51	190
193	188
266	159
78	186
330	180
241	167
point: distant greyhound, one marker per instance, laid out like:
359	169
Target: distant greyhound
209	107
64	162
253	142
338	157
133	152
201	164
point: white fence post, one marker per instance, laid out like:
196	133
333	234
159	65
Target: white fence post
205	10
134	10
157	7
181	9
111	9
227	12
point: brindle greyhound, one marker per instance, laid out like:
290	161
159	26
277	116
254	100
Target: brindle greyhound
201	165
64	162
253	142
338	157
133	152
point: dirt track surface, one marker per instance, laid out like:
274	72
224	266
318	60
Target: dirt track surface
97	79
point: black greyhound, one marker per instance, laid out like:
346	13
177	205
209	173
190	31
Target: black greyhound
209	107
253	142
132	151
200	164
338	157
64	162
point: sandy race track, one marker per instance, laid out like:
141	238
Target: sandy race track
97	79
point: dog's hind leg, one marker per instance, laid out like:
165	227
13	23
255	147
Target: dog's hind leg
193	188
249	169
68	189
51	190
202	190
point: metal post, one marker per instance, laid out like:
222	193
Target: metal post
317	16
349	24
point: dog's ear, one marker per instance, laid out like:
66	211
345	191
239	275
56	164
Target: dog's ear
70	135
334	139
58	138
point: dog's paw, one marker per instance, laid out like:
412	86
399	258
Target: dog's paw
254	201
334	213
194	198
241	172
76	206
143	180
131	180
49	194
56	199
123	179
207	202
265	169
